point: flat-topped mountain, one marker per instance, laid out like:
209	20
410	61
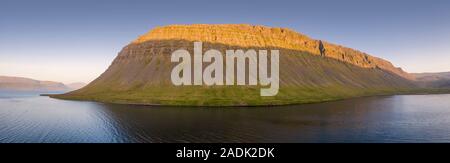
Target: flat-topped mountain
310	70
26	84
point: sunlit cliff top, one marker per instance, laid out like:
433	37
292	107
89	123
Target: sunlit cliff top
244	35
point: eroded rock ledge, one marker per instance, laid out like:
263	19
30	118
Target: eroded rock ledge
243	35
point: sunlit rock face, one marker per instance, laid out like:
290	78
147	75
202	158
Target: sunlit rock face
261	36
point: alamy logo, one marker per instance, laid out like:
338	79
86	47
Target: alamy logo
213	74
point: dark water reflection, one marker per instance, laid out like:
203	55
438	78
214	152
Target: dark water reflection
409	118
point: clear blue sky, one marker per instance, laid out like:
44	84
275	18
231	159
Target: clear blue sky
76	40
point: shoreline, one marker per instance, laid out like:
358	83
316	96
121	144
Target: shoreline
419	92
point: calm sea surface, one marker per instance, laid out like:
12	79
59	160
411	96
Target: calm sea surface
405	118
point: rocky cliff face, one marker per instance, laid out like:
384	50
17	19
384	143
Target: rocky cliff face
140	74
261	36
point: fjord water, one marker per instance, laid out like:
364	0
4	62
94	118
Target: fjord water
402	118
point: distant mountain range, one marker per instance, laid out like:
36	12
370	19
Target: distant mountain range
10	83
437	80
140	74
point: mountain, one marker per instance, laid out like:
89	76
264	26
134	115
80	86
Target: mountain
10	83
436	80
25	84
141	73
